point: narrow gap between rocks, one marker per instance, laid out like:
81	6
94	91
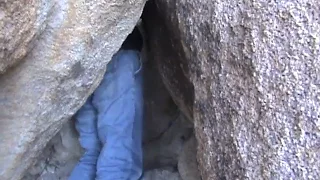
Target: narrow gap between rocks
165	132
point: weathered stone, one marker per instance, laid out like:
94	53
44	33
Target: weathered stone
164	151
248	74
161	174
187	165
59	157
21	23
160	110
69	44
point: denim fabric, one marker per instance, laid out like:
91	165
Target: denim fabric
118	105
86	125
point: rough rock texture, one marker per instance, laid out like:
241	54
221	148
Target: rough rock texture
187	165
165	150
21	23
161	174
59	157
248	73
160	110
67	44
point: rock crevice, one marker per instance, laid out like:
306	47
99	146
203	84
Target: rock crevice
244	74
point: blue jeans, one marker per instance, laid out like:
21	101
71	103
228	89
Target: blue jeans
110	123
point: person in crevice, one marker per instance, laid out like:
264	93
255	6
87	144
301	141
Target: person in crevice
110	122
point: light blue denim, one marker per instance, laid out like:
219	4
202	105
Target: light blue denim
110	123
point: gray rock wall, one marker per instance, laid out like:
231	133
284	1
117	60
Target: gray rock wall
188	166
60	49
248	74
20	23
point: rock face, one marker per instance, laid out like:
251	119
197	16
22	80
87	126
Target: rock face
20	23
248	74
64	46
160	110
165	150
188	166
59	157
161	174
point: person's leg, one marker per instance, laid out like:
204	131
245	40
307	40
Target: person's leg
86	125
118	100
